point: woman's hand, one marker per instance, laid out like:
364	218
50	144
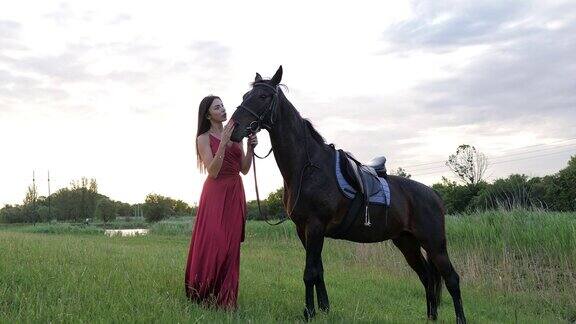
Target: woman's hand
252	140
247	158
226	133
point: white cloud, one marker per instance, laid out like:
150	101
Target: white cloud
110	89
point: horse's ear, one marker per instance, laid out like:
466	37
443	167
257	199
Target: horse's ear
258	77
277	77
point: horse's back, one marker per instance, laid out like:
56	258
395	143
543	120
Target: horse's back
413	190
419	206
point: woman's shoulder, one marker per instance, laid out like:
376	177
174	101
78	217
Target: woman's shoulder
203	139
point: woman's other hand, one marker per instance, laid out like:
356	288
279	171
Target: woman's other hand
252	140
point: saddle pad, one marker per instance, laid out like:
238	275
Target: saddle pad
377	187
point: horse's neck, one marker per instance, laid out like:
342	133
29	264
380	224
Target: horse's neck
289	138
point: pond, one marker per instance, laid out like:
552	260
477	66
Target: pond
126	232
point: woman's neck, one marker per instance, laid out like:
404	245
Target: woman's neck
216	128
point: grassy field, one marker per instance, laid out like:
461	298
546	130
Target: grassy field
517	267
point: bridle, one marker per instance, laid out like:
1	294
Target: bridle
254	127
259	123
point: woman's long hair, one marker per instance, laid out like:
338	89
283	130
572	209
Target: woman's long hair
203	126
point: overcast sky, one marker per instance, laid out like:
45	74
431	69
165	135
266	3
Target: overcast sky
110	89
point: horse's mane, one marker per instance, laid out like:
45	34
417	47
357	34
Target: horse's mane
317	137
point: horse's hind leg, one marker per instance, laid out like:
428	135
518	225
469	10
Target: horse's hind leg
439	256
410	248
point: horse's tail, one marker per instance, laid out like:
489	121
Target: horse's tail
434	272
436	281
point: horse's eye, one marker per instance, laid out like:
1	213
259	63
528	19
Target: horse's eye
263	96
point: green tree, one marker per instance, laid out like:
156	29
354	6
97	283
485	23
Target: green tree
31	195
43	213
516	191
402	173
252	210
12	214
86	192
272	206
457	199
30	204
275	204
63	200
123	209
105	210
180	208
566	183
468	164
78	202
156	207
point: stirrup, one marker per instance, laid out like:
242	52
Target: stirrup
367	217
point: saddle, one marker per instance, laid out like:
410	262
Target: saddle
375	168
365	180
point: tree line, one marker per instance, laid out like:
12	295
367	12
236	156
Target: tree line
555	192
470	193
81	201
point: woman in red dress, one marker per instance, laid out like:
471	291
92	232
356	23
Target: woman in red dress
213	266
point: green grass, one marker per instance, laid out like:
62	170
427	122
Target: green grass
56	228
514	267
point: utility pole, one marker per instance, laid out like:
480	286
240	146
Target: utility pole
34	200
49	211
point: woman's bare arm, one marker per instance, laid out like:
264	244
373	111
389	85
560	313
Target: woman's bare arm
212	163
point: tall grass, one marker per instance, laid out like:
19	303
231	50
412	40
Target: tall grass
514	267
180	226
55	228
518	252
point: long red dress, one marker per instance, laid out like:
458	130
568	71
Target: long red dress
213	266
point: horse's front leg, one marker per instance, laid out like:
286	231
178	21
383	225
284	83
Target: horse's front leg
321	292
313	276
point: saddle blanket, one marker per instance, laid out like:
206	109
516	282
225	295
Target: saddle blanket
377	187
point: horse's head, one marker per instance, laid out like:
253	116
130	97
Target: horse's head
258	107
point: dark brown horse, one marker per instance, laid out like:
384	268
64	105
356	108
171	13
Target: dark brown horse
313	201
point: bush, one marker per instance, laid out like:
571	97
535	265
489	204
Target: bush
555	192
457	199
62	228
156	208
514	192
105	210
273	207
44	213
172	227
12	214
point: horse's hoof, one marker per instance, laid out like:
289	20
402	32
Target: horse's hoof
324	308
309	314
432	317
